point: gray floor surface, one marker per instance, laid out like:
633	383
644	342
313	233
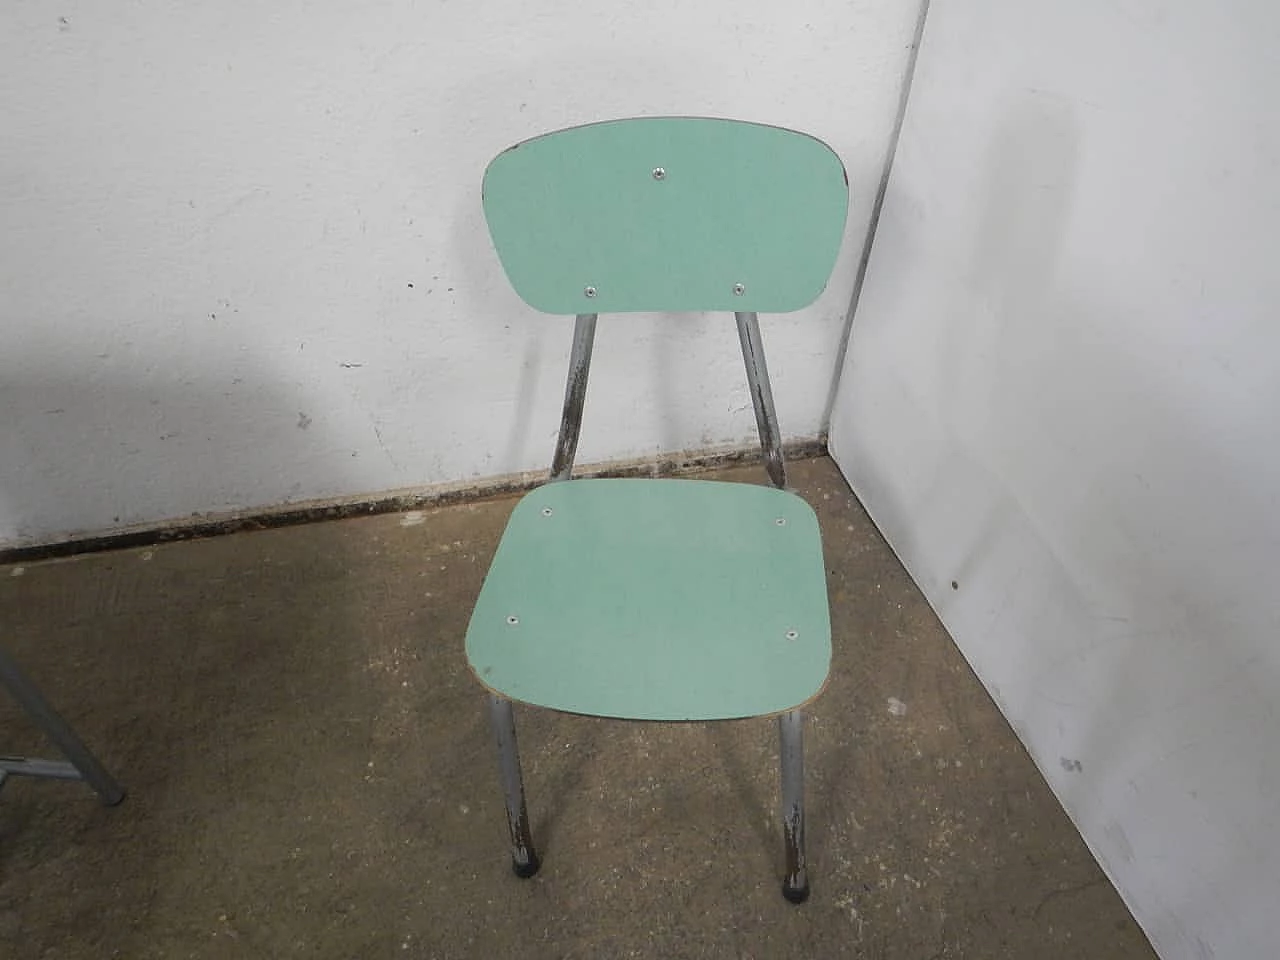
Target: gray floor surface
310	773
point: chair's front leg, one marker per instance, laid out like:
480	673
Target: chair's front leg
795	886
524	860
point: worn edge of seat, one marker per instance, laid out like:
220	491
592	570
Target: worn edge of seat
613	716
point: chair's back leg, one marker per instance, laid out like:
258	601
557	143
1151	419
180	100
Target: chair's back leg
762	397
524	859
795	885
575	395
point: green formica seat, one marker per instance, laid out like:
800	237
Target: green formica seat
656	600
648	599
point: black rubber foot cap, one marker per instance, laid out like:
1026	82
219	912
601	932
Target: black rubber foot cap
796	894
526	870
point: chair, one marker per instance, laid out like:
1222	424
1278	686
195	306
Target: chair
80	764
661	600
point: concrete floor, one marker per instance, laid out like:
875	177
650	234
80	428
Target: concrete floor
310	774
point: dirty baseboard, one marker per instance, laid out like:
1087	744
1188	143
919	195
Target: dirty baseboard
396	501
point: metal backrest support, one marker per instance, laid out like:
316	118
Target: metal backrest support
667	214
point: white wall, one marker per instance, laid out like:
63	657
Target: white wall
211	216
1063	394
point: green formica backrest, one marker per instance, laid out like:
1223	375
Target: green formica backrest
667	214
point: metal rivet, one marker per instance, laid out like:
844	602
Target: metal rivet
659	173
590	291
792	634
739	289
513	620
547	511
781	521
